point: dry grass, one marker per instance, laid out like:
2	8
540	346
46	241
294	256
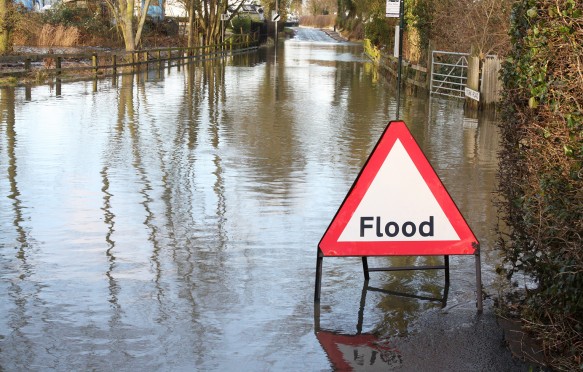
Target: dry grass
35	34
32	31
58	36
27	30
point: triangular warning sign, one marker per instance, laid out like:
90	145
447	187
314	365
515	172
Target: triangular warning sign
398	206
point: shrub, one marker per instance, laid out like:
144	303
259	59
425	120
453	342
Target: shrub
378	32
88	22
541	171
241	25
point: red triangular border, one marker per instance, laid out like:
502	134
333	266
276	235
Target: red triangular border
329	244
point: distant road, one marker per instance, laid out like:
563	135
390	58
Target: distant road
312	34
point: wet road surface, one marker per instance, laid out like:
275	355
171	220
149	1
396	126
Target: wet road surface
169	221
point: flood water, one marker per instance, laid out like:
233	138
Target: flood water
170	220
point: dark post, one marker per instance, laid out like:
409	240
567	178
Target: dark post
319	262
114	64
362	306
27	64
365	268
316	317
479	281
446	264
58	73
401	26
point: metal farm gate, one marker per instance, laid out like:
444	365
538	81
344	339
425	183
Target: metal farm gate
449	73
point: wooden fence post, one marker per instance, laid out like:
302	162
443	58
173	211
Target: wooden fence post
490	86
473	82
428	76
94	63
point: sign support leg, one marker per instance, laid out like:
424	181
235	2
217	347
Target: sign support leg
316	317
446	264
365	268
319	262
479	281
362	305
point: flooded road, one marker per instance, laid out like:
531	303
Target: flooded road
169	221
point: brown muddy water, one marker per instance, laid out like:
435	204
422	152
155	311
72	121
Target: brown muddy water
169	221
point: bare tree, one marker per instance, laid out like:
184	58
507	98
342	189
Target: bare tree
208	15
462	25
123	13
204	18
320	7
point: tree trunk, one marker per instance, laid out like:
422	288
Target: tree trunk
141	22
128	25
123	11
190	42
6	26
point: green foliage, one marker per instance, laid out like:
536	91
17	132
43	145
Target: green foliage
541	169
241	25
70	16
61	14
378	32
420	16
10	81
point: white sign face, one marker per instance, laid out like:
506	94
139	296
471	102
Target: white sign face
393	7
396	45
398	206
475	95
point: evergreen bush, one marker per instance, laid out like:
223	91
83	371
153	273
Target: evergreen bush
241	25
541	173
378	32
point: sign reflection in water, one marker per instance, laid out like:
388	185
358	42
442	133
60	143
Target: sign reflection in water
170	223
